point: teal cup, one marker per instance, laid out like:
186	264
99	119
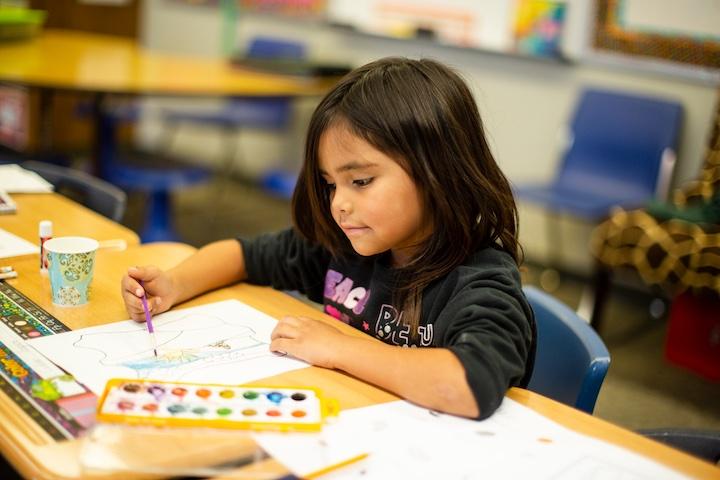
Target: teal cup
71	261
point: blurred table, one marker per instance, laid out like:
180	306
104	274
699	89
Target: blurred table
87	62
36	455
64	60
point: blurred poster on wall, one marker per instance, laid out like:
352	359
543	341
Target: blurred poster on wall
484	24
293	8
14	117
539	27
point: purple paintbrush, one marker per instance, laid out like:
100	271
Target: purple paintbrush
148	319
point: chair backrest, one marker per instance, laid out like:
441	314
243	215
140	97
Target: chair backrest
94	193
701	443
571	359
618	143
275	48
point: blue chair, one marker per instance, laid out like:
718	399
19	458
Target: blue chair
621	153
267	113
571	360
158	176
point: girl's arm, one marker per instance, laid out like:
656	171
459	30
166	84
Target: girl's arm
213	266
431	377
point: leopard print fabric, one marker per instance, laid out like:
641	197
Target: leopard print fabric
674	254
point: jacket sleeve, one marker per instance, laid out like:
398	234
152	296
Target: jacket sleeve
286	261
490	327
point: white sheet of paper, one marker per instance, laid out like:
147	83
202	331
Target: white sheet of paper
12	246
406	441
225	343
15	179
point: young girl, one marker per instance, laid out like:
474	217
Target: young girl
406	229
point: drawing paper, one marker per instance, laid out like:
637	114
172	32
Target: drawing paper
15	179
225	342
407	441
11	245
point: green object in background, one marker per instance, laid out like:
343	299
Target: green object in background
17	23
705	212
230	14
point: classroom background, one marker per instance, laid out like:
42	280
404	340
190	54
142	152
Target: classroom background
528	64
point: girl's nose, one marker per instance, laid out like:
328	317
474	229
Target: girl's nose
340	202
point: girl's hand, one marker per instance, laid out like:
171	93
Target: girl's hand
157	285
310	340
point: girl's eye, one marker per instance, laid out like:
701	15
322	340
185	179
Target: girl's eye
330	186
363	182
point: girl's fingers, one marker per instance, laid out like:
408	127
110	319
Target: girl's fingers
135	310
288	320
280	346
283	330
131	286
147	275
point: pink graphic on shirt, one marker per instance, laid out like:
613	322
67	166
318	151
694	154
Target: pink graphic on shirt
341	290
332	311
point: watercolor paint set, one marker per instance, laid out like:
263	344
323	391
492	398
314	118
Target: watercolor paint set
161	403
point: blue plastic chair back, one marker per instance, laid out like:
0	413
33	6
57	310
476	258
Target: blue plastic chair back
616	155
618	141
571	360
275	48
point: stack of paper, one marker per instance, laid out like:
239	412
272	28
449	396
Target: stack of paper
406	441
15	179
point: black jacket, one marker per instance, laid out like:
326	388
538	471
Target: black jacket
477	311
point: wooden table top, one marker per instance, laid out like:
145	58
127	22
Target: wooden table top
36	455
79	61
69	219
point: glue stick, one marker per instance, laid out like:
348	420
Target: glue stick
45	231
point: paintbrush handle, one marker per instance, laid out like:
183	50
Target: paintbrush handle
148	318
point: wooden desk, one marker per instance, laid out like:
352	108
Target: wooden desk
87	62
68	217
35	455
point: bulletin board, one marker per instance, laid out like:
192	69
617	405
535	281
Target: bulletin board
684	32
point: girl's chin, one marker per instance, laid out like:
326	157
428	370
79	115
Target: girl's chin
364	250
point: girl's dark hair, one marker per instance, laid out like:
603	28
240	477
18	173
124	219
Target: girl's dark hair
422	114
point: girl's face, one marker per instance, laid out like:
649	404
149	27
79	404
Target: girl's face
373	200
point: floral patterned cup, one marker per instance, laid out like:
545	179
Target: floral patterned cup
70	265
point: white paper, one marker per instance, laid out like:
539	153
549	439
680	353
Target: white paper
223	343
406	441
15	179
305	454
12	246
